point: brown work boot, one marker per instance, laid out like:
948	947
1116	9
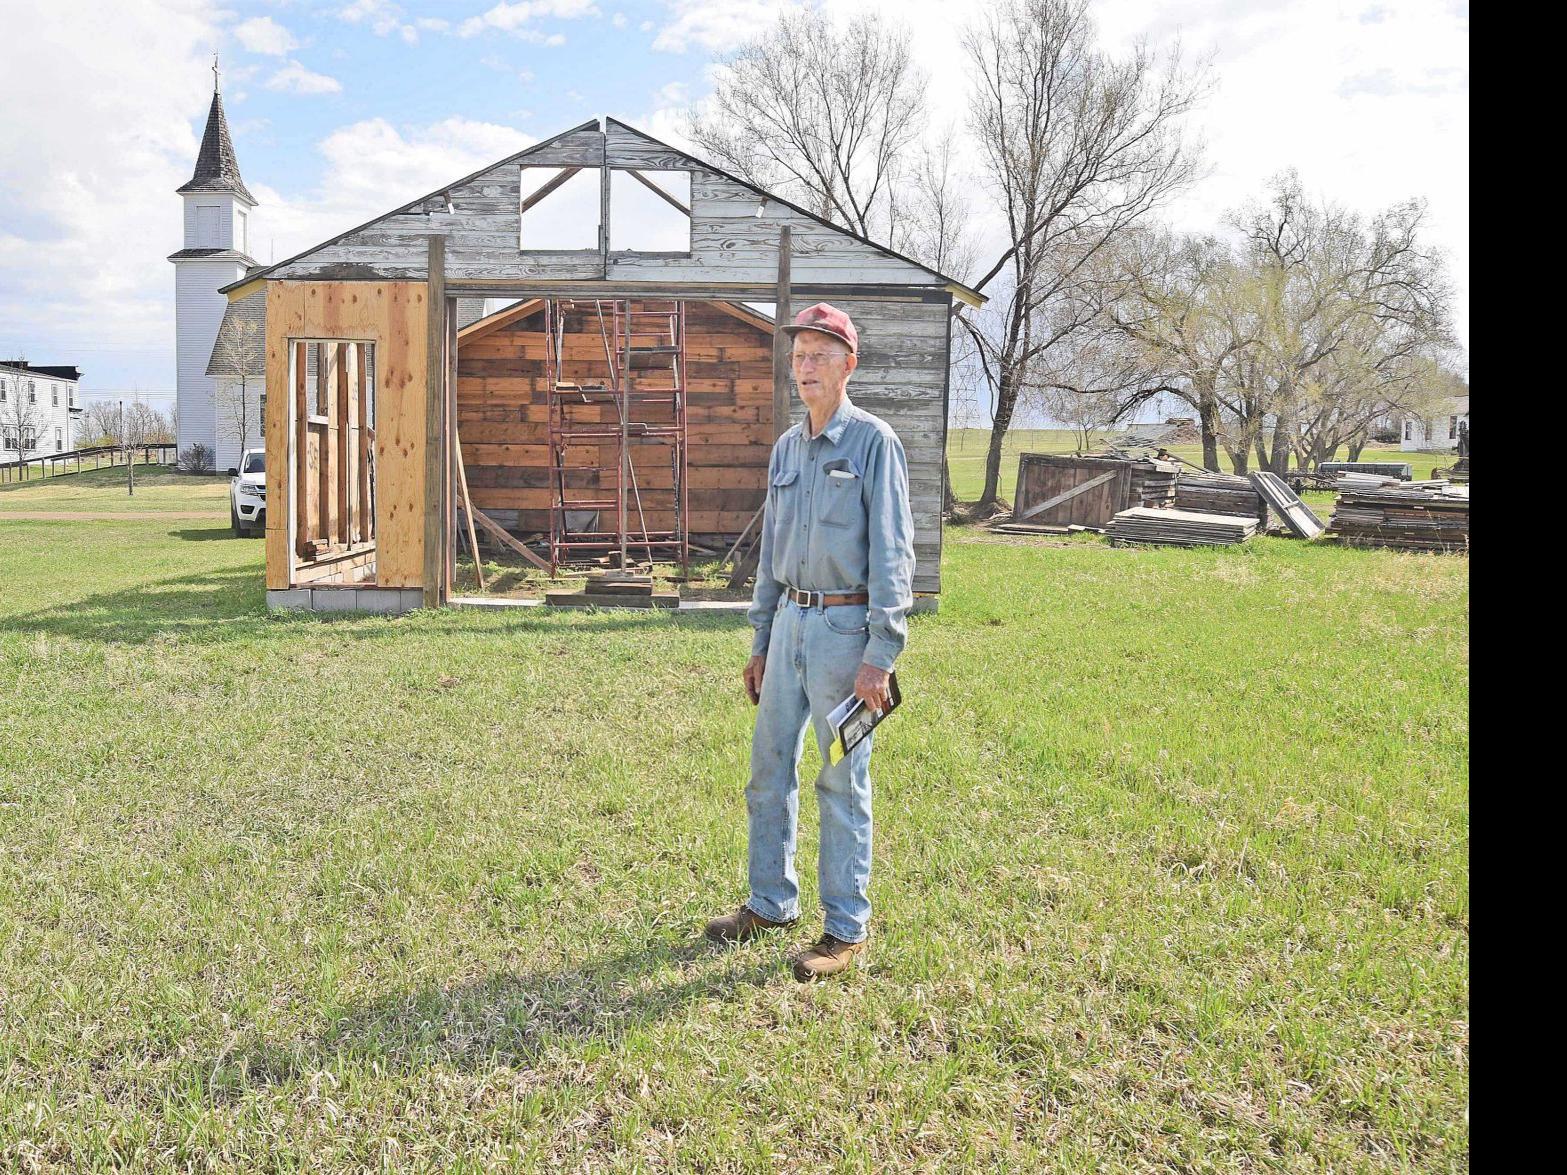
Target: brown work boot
742	926
826	956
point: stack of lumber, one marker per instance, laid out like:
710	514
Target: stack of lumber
1418	517
614	590
1153	483
1363	481
1179	528
1219	493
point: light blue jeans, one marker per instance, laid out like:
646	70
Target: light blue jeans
812	660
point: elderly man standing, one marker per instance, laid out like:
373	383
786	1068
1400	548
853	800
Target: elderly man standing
833	591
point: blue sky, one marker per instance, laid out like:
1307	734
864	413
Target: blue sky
343	109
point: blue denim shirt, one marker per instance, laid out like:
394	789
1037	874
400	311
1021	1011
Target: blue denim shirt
838	520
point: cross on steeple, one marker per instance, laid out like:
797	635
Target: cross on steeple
214	73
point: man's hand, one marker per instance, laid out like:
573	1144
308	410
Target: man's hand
754	668
871	686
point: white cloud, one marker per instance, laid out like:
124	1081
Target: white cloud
717	25
262	34
618	20
294	78
372	167
518	18
1370	102
87	204
384	18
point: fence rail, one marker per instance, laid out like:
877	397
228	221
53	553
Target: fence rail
76	460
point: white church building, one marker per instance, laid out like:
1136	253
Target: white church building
216	252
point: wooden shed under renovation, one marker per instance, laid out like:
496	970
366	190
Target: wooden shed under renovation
625	390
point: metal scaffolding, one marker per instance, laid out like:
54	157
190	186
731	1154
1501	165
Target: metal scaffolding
611	439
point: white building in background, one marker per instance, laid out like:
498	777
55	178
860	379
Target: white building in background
216	252
238	395
1440	432
39	409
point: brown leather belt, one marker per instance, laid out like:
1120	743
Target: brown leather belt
826	599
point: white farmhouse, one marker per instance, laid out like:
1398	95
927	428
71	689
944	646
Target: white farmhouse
1440	432
216	252
39	409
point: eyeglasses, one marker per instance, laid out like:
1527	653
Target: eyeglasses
805	358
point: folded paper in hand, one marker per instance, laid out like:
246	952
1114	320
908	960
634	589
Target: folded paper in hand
851	720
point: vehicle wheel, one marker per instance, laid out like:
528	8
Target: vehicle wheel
239	528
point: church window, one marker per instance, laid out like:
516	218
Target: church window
209	219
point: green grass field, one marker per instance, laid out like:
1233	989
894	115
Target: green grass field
1171	874
104	491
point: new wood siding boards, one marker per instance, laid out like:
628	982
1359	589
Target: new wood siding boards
392	316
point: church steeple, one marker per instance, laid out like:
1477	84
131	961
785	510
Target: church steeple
217	167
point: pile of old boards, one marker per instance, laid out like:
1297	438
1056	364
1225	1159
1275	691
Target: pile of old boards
1179	528
1414	516
1220	493
1061	494
1196	528
615	590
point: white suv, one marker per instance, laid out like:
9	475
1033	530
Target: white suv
248	493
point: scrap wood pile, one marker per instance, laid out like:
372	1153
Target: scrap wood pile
1416	516
1153	482
1179	528
1220	493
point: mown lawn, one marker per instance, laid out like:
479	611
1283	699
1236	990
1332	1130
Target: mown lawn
1171	874
158	488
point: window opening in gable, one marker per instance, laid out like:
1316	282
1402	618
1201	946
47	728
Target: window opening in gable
650	211
560	208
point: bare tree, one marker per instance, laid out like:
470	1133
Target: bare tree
1173	299
20	416
1079	147
101	424
1354	317
820	115
139	425
239	355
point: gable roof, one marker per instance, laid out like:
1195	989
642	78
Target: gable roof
978	299
251	309
217	167
656	152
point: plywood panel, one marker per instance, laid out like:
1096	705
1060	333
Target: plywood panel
392	316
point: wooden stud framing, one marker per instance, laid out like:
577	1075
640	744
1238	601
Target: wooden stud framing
435	483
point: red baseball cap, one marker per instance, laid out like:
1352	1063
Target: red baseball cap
829	320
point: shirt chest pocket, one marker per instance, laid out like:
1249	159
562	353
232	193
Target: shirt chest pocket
784	504
841	493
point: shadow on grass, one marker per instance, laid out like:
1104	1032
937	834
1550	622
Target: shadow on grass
230	605
505	1018
207	534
